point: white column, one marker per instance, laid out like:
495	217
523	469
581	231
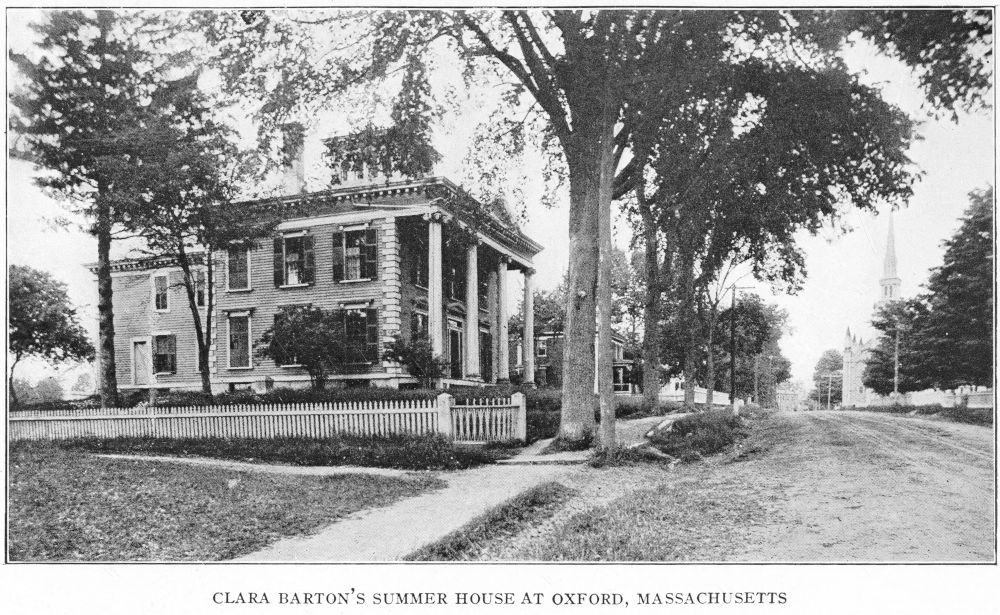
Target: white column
435	311
472	369
503	352
528	339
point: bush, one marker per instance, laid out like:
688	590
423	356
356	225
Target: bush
700	434
405	452
959	414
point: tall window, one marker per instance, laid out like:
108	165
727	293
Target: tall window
294	261
283	357
542	348
238	270
418	260
239	340
160	292
454	269
361	335
199	287
418	325
355	255
164	354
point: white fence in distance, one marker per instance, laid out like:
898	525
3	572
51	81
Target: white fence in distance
481	420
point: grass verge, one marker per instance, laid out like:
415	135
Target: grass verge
958	414
403	452
697	435
66	505
501	522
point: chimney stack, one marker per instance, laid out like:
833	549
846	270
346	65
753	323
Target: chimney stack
293	178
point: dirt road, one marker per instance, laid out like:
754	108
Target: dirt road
816	486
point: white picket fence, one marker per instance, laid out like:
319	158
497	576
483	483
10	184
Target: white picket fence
481	420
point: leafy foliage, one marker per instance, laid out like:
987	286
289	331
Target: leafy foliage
308	336
418	357
828	376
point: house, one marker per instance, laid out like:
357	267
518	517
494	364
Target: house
548	361
394	257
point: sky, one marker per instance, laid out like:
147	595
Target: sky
843	269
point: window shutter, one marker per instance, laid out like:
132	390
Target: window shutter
309	260
371	335
371	254
338	257
279	261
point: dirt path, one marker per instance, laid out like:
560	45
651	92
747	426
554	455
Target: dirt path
868	487
825	487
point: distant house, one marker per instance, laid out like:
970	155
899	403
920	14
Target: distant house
548	358
396	258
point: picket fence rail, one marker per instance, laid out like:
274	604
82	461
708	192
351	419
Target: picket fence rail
477	420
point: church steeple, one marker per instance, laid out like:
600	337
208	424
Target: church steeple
890	282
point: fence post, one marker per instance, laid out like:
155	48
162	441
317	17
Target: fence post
444	402
518	400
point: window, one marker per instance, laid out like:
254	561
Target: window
199	287
283	358
483	280
238	270
542	349
418	261
361	335
239	341
455	281
164	354
294	260
355	255
418	325
160	293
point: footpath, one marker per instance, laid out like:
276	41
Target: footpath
392	532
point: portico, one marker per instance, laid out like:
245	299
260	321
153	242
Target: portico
482	307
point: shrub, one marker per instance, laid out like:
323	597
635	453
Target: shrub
700	434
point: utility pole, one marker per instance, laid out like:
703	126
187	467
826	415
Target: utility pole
756	370
732	346
895	368
829	387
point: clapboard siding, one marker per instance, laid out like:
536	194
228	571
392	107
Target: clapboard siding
136	318
265	300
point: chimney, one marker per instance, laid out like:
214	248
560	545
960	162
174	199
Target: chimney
293	173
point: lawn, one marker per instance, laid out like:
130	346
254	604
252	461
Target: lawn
67	505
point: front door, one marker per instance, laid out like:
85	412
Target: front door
455	340
141	367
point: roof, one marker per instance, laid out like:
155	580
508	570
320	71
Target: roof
441	192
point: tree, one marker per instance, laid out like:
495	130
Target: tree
593	74
41	322
894	364
184	193
828	376
756	324
89	84
418	358
955	338
311	337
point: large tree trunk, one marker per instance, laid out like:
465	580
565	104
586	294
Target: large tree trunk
605	352
588	153
690	335
10	382
105	309
651	315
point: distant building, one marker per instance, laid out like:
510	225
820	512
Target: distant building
549	361
857	351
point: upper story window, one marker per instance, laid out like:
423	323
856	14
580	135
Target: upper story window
619	351
355	255
165	354
160	294
294	260
238	268
542	349
455	281
199	287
